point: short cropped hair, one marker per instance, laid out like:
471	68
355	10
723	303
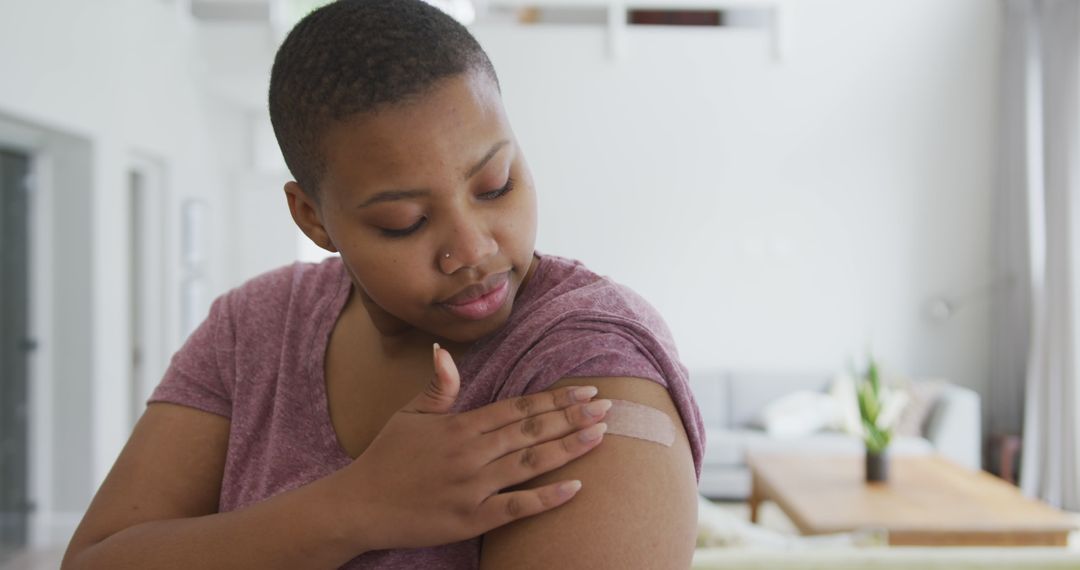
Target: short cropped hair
359	56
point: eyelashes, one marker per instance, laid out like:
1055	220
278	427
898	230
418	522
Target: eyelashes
487	196
500	192
403	232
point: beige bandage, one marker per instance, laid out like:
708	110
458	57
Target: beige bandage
638	421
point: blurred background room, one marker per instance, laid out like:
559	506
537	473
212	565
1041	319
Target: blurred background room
794	185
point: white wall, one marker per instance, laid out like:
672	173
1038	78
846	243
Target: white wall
121	77
782	216
262	236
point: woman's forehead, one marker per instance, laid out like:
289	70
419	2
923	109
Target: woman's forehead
438	132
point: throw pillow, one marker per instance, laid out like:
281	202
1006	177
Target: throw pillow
798	414
894	402
846	401
923	396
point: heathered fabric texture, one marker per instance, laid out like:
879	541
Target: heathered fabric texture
258	360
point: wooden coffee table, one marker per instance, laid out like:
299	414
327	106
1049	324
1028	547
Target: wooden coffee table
927	501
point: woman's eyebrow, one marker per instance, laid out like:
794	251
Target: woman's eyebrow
391	195
479	165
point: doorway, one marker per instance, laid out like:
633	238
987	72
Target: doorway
15	348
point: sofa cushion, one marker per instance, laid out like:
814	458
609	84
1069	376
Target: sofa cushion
923	396
711	391
727	447
799	414
729	483
749	393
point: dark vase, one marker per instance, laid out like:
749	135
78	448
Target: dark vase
877	467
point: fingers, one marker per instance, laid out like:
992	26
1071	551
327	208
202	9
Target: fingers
440	393
504	508
505	412
527	463
544	427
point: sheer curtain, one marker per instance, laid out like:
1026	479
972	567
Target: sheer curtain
1041	102
1011	312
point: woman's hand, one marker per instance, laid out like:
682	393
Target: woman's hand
431	477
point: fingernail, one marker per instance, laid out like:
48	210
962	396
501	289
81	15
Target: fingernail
584	393
592	433
435	351
597	408
569	488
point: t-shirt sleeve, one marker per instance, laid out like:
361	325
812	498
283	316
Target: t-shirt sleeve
200	374
586	352
611	350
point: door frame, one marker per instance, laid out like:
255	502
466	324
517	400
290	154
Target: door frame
153	314
34	143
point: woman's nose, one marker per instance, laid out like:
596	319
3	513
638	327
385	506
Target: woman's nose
469	244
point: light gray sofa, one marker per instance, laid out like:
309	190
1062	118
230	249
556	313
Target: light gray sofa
731	402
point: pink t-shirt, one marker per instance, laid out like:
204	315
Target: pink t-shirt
258	360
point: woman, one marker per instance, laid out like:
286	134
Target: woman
308	422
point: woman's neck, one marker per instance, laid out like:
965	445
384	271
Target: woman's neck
395	338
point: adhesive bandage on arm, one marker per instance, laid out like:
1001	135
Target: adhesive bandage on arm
635	420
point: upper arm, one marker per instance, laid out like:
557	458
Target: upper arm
171	467
637	507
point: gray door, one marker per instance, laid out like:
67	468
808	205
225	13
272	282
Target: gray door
15	345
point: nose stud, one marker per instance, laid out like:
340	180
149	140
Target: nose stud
446	255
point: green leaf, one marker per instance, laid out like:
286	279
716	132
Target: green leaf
869	407
876	438
875	380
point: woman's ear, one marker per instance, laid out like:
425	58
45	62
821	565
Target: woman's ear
305	212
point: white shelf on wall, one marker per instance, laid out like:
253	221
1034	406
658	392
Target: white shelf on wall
764	14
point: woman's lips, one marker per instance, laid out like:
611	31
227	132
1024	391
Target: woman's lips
484	306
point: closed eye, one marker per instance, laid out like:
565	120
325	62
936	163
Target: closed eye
493	195
404	231
500	192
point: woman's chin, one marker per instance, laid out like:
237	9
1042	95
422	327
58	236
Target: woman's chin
466	331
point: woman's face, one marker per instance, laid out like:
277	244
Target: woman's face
405	186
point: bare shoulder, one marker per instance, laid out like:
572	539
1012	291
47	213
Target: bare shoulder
171	467
637	507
